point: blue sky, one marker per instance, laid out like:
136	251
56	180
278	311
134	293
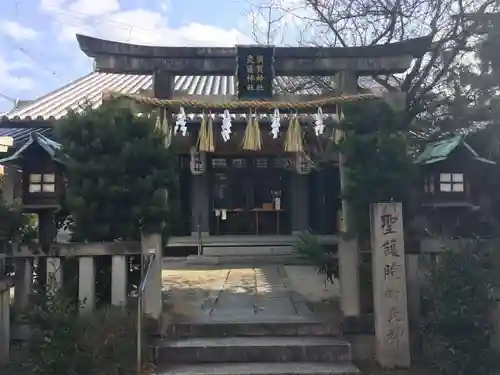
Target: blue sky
38	50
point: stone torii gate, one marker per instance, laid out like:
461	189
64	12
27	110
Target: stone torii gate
345	64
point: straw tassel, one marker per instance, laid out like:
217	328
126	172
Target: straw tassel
210	134
293	138
167	129
158	122
252	140
205	136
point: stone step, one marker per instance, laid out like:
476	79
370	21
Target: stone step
253	349
285	368
262	250
308	328
248	260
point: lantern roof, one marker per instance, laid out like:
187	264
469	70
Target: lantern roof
48	145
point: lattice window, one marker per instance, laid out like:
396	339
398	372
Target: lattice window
42	183
451	183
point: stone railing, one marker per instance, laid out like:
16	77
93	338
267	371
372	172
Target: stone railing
85	253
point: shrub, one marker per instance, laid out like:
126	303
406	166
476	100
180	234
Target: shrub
325	260
15	226
62	342
459	299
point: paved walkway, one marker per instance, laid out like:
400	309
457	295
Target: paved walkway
232	294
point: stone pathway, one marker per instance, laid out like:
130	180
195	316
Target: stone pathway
236	294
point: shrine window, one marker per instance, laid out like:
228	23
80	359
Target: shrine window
451	183
219	163
239	163
429	184
42	183
261	163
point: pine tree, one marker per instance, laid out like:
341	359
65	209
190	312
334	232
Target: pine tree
118	173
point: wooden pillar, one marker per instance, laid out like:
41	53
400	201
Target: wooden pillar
200	205
300	202
86	284
163	87
347	83
151	243
119	271
8	184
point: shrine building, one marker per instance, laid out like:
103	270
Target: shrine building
244	172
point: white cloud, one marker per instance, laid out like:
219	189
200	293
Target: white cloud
11	81
94	8
103	19
165	5
47	5
17	31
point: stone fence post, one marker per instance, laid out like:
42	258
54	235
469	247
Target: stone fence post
152	294
4	314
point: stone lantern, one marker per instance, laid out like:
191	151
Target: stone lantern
43	181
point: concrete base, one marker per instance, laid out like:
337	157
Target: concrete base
264	369
255	349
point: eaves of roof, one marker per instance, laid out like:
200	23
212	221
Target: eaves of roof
50	146
435	152
90	88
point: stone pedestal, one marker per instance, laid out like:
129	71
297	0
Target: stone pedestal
152	294
389	285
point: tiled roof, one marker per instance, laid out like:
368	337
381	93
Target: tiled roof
21	135
47	144
438	151
90	88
